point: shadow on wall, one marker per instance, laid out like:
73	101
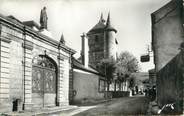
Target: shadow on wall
170	84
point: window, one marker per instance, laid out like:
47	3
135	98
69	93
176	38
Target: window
43	61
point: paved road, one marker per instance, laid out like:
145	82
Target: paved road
116	107
126	106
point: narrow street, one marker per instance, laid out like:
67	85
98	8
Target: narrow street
119	106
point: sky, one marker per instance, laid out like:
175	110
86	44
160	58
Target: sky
132	19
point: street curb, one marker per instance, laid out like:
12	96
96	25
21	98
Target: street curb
28	113
56	111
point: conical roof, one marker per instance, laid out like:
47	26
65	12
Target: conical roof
62	40
99	26
109	25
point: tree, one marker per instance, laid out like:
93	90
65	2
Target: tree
126	65
107	67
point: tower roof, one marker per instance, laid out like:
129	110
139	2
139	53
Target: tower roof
109	25
102	20
99	26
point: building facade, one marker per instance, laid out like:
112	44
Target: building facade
34	68
167	38
102	41
167	33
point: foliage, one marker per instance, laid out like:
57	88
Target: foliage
119	70
107	67
126	64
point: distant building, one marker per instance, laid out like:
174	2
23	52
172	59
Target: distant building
140	78
86	84
34	68
102	41
152	77
99	43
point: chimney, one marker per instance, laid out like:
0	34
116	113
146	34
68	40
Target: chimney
85	49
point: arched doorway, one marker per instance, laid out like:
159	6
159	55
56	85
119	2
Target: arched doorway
44	72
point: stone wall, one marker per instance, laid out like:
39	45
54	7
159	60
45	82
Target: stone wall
16	71
169	83
96	48
11	75
19	45
86	86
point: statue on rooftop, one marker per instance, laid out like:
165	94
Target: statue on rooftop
43	18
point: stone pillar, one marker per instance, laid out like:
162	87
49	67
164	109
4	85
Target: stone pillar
59	80
85	50
66	82
63	81
28	47
5	102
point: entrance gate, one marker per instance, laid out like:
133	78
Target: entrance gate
43	82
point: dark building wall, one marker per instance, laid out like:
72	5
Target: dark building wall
96	48
167	32
167	36
170	83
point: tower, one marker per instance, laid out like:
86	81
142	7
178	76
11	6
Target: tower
110	46
102	42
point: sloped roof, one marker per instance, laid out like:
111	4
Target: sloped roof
109	25
13	19
31	24
78	65
101	26
98	27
